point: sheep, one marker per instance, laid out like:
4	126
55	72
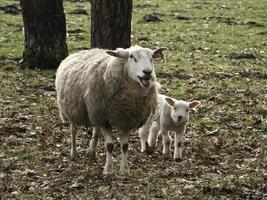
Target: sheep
107	89
172	116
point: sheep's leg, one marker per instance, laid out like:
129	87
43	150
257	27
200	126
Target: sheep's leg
178	147
153	134
166	142
109	149
143	134
93	143
73	151
124	152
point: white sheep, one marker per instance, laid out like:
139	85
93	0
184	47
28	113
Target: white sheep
172	116
107	89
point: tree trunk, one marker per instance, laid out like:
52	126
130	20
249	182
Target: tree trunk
111	23
45	33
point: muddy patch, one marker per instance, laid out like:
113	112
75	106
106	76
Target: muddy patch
175	74
76	30
242	55
262	33
253	24
146	5
251	74
182	17
226	20
7	131
153	17
145	39
11	9
234	21
79	11
5	61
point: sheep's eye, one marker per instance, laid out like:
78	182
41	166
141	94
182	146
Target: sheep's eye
174	108
132	57
187	110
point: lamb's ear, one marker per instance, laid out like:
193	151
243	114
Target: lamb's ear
158	53
119	53
194	104
169	101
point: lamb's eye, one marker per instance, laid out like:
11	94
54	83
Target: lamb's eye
174	108
187	110
132	57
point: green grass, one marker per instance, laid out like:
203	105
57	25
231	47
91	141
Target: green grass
225	144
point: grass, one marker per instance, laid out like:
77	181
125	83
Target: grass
225	144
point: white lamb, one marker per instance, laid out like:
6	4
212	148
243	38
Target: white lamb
107	89
172	116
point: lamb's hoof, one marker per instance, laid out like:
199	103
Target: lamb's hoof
178	159
124	172
107	173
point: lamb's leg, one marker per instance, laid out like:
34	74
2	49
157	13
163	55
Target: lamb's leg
124	137
153	134
166	141
109	148
73	151
178	147
93	143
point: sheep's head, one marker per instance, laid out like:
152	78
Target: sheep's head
180	109
140	62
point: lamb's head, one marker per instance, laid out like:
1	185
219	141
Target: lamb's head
180	109
140	62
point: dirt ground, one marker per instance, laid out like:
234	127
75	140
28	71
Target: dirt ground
217	55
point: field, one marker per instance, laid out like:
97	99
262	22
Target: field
217	54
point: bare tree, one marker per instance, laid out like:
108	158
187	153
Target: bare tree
45	33
111	23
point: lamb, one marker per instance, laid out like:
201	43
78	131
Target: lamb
172	116
107	89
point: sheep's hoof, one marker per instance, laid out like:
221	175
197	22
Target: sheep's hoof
149	149
143	149
178	159
92	156
74	155
167	156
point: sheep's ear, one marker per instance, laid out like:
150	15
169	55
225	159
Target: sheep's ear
169	101
119	53
158	53
194	104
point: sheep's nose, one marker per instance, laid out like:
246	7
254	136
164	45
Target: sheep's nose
147	71
180	117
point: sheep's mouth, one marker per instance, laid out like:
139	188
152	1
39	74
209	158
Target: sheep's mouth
144	81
